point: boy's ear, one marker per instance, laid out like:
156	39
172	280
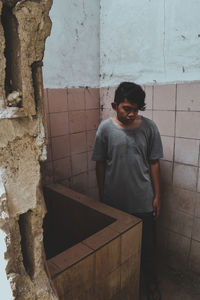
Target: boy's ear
114	105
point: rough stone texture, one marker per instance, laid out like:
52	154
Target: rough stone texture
22	147
2	64
33	28
26	32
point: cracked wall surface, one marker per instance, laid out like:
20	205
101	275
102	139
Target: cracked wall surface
76	56
22	145
151	41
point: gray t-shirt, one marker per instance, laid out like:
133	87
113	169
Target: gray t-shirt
127	153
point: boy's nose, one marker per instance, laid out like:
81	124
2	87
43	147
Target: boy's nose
131	114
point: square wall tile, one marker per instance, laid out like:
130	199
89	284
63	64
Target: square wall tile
181	200
194	256
178	249
72	256
60	146
187	151
48	124
80	183
100	238
147	114
91	163
166	171
79	163
103	101
78	142
149	96
57	99
188	124
107	95
49	150
131	242
78	276
90	139
59	124
82	293
198	182
185	177
168	147
45	100
164	97
181	223
197	207
108	258
196	229
62	169
47	172
130	277
108	288
107	113
76	99
92	182
161	240
188	96
165	120
92	119
77	121
163	220
59	281
92	98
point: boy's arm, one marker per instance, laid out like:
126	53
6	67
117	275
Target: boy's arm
155	174
100	174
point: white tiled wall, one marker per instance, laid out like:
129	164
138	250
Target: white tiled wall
164	97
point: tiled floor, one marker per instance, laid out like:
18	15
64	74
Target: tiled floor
177	286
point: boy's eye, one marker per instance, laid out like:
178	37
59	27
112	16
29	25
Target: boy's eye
127	108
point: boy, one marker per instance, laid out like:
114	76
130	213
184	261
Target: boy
127	151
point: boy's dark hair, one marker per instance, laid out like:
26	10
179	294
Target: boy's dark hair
132	92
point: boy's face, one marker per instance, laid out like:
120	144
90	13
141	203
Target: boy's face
126	112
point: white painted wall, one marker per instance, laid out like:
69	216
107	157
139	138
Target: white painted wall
141	40
72	51
149	41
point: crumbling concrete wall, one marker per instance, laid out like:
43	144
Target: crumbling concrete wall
24	27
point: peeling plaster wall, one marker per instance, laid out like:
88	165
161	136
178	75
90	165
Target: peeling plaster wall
149	41
72	52
22	147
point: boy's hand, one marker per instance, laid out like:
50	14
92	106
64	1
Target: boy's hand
156	208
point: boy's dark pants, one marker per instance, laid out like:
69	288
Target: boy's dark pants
148	266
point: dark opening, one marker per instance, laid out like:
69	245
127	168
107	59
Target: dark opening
12	54
68	222
36	67
27	242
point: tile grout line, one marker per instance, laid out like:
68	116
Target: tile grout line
175	116
86	136
50	137
70	154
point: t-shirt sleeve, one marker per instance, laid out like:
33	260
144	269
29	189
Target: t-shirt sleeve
155	146
99	151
